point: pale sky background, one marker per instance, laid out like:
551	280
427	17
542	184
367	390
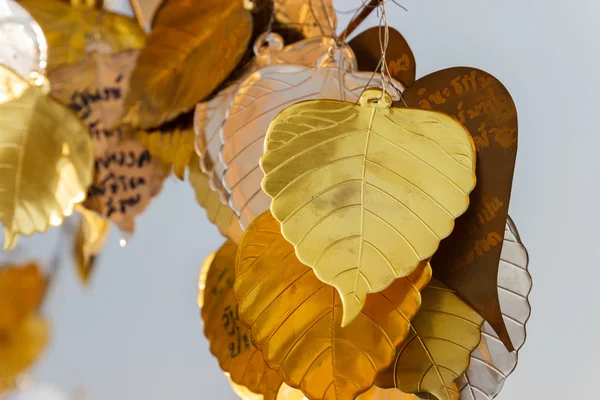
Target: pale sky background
135	333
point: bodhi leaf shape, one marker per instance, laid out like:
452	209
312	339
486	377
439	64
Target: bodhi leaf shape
400	59
22	41
173	148
259	99
314	18
229	338
210	115
218	213
366	192
21	291
91	237
20	348
467	261
442	336
166	79
295	319
45	158
70	31
492	363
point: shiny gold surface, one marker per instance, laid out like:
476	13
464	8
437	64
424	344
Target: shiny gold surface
45	158
69	31
202	277
313	18
173	148
21	348
377	393
366	192
492	363
295	319
91	236
21	292
218	213
243	392
229	339
191	50
436	352
259	99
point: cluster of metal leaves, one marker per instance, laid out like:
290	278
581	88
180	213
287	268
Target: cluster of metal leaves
23	332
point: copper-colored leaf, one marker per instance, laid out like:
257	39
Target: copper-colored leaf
210	115
91	236
21	348
45	158
442	336
313	18
229	338
22	42
69	30
492	363
295	319
21	291
400	59
174	148
365	192
192	48
467	261
218	213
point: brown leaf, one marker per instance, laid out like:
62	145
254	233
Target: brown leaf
467	261
21	292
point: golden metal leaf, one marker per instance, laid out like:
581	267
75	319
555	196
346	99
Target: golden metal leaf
218	213
467	260
366	192
443	334
70	31
243	392
21	292
20	348
295	319
209	116
174	148
173	72
377	393
91	236
23	44
313	18
492	363
45	157
229	338
259	99
288	393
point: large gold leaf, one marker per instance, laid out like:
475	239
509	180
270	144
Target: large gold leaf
442	336
45	158
69	30
20	348
295	319
91	236
366	192
377	393
229	338
22	42
174	148
218	213
192	48
313	18
21	291
202	277
492	363
258	101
